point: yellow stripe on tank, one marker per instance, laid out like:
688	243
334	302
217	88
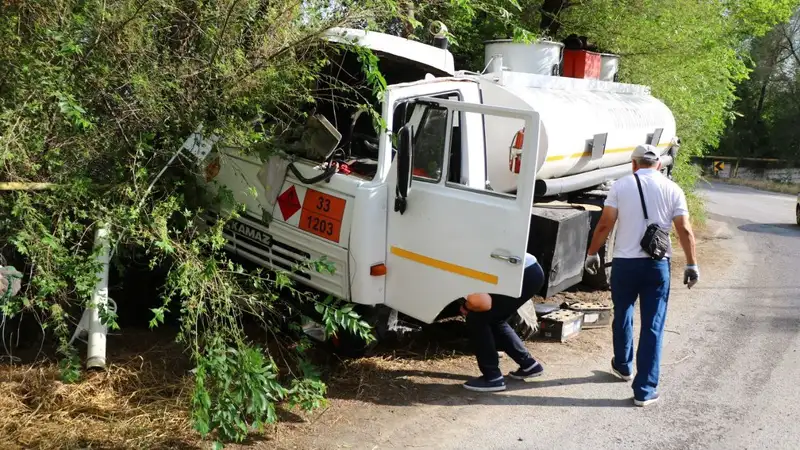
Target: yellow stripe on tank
589	154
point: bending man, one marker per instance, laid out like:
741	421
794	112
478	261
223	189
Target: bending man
487	324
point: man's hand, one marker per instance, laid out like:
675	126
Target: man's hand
691	275
592	263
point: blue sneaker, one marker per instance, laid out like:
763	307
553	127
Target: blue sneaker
481	384
648	402
535	370
619	373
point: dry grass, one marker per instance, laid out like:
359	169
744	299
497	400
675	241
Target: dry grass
140	403
764	185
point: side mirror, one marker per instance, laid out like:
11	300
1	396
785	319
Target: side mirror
405	158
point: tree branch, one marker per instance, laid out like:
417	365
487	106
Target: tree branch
222	33
116	29
790	41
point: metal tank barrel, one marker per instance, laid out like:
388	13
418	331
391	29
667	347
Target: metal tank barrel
586	125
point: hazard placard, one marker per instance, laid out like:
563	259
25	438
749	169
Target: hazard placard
322	215
312	211
289	203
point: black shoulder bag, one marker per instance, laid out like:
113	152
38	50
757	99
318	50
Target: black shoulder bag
656	239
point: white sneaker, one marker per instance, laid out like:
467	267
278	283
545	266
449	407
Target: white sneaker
619	374
643	403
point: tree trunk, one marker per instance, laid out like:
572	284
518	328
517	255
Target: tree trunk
762	95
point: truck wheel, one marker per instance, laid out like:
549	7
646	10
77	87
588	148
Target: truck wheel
602	279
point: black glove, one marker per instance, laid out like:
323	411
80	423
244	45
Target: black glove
691	275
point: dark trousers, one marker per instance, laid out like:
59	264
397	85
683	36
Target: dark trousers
489	331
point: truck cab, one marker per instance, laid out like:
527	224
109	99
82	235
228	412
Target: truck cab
420	232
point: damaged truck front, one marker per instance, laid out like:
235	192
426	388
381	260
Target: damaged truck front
324	196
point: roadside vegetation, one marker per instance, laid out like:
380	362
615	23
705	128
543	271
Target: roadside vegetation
96	97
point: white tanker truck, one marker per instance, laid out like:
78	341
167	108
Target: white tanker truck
473	170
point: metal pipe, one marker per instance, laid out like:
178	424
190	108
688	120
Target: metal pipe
573	183
96	350
18	186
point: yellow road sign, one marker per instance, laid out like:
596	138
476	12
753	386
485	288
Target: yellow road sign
719	166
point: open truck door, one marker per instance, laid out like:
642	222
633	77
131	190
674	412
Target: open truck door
448	235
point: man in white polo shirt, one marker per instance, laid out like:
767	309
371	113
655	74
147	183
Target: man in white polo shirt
637	274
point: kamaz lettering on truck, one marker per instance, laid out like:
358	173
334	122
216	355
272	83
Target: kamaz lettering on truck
472	171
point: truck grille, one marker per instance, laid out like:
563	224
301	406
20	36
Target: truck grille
247	237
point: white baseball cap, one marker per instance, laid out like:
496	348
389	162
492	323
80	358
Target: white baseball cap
647	152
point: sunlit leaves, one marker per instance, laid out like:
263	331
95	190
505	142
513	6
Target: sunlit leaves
97	96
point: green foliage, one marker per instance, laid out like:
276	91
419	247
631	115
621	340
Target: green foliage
686	175
336	316
471	22
757	17
691	60
97	97
236	390
767	110
375	79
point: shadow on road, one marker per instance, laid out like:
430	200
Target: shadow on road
415	387
780	229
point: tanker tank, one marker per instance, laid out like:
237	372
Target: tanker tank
589	128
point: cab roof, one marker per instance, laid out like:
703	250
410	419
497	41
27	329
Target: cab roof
437	61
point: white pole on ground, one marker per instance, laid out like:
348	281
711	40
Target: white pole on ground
96	351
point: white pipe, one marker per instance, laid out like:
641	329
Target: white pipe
96	350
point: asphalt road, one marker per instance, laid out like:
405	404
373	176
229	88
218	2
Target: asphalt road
730	367
731	373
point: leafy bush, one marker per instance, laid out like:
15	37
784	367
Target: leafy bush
96	98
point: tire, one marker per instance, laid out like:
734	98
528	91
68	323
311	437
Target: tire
602	279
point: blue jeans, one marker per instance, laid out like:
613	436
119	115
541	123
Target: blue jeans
648	280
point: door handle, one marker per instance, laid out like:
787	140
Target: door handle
509	259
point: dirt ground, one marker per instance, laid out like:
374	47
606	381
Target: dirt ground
142	400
